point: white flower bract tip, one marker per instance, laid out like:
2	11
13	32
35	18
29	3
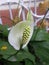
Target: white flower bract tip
21	33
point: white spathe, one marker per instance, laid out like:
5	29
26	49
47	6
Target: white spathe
16	33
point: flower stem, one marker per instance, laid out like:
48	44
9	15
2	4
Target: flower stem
38	29
13	54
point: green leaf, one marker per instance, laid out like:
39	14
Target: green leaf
44	44
28	62
41	35
42	53
42	50
6	49
25	54
6	62
1	56
4	29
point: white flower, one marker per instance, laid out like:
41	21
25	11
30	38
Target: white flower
21	33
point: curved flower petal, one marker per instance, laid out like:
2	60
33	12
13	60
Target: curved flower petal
16	33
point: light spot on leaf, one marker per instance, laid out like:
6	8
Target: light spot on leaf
4	47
